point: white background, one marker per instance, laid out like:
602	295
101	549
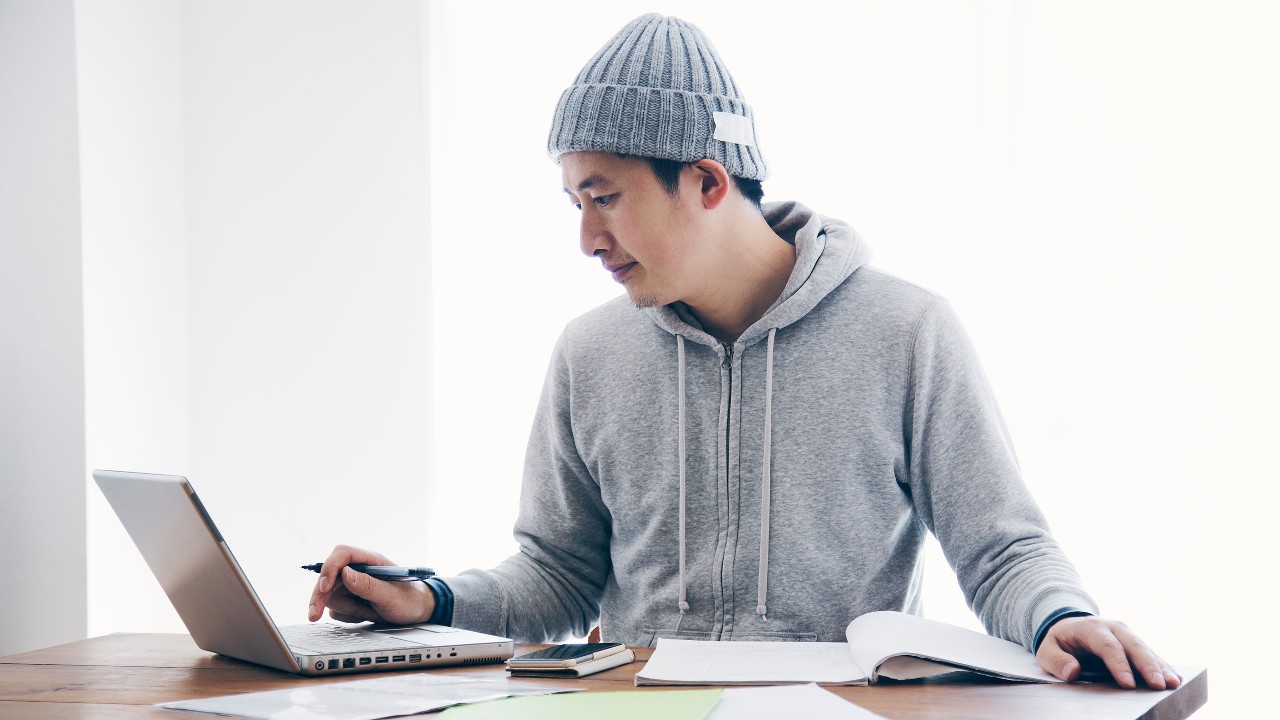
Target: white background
325	260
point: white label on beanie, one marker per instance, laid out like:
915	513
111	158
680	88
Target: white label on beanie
733	128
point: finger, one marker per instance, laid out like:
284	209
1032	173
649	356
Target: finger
344	617
370	589
1172	678
393	602
351	607
330	580
1142	658
1107	647
1058	662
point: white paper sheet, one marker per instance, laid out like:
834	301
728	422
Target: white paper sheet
786	701
697	662
380	697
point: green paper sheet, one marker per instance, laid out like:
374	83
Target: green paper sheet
628	705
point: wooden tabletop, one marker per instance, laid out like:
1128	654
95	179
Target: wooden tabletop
122	676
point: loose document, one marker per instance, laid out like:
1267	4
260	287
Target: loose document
764	703
880	644
365	699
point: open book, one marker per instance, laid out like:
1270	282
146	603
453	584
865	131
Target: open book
881	644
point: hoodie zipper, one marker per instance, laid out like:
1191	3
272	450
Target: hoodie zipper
727	592
727	364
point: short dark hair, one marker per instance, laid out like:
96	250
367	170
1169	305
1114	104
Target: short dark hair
668	174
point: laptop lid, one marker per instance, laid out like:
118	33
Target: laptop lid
194	566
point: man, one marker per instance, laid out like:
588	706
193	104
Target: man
756	449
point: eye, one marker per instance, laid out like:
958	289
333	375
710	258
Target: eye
603	200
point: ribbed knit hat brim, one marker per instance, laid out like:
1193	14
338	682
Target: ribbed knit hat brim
654	91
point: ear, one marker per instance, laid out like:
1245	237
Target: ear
713	182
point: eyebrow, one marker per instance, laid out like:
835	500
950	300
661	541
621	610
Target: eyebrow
591	180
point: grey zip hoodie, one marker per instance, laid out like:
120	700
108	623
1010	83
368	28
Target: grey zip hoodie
775	488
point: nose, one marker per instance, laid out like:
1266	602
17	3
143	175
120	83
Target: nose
593	238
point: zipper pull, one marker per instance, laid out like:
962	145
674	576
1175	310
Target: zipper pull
728	356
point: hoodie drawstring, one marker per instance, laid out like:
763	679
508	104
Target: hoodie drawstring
684	606
762	581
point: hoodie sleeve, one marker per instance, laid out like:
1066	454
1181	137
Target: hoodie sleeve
551	588
966	485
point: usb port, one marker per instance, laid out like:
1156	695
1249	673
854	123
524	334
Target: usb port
382	659
366	661
348	662
416	657
398	658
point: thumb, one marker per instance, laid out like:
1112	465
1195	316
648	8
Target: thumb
363	586
1060	663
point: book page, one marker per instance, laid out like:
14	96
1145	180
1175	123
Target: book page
877	636
702	662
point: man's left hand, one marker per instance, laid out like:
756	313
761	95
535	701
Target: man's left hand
1072	640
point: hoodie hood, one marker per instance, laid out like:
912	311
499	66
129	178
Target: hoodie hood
827	252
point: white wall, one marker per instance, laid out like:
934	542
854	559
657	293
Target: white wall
42	511
135	281
1144	349
257	264
308	262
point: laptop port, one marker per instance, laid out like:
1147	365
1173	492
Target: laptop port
415	658
398	658
366	661
333	664
348	663
453	654
382	659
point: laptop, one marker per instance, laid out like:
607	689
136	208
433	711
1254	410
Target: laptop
224	615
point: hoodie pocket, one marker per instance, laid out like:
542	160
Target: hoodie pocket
775	637
650	636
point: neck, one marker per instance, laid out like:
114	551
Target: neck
746	286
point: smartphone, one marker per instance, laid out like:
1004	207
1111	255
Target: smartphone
566	655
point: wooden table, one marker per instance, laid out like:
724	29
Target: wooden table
121	676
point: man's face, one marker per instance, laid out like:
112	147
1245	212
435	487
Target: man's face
640	233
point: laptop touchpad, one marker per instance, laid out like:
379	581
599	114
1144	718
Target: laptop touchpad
444	636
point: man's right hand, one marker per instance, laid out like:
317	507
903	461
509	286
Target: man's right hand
356	597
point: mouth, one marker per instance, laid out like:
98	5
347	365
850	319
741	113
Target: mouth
620	271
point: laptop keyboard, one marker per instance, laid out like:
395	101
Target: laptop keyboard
332	639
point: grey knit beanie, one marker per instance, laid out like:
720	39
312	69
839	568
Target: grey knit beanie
658	89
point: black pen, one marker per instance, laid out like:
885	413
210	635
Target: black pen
384	572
